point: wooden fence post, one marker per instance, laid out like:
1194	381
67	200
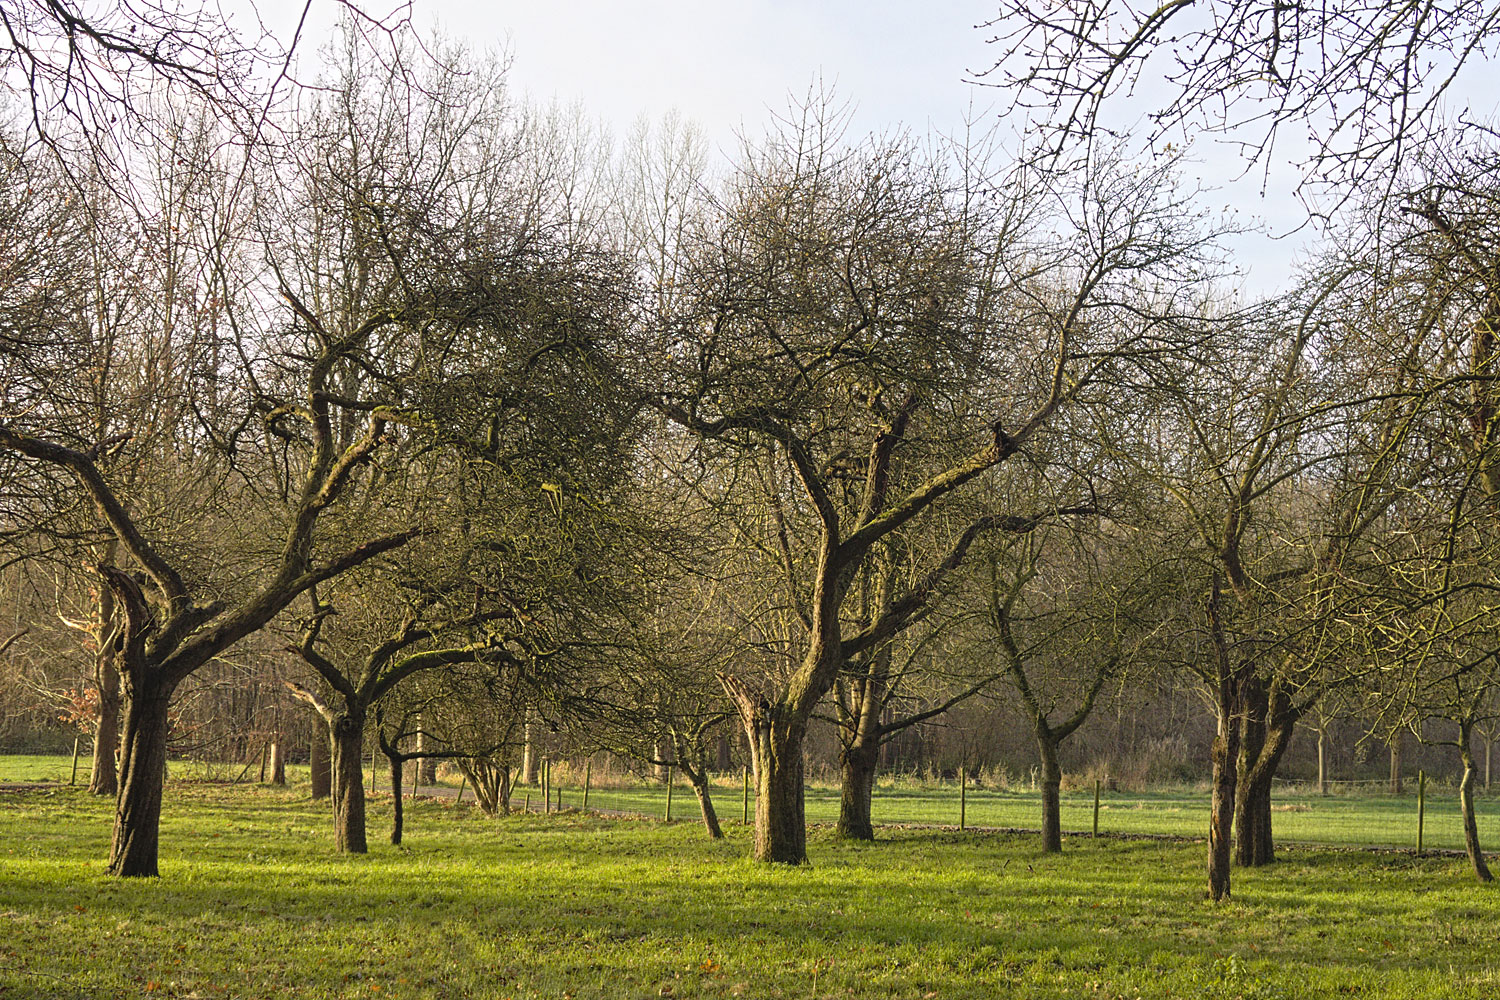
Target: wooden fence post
669	793
745	805
1421	807
1096	807
588	777
74	779
963	798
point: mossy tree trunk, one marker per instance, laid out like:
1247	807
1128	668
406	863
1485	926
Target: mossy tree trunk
1221	806
780	820
1229	677
1267	725
318	759
104	779
397	765
143	763
861	699
1466	803
348	729
857	767
1047	743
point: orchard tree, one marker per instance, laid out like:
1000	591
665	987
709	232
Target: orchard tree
1283	448
880	336
1439	640
440	624
887	689
646	688
1364	84
1068	606
290	405
179	602
1433	629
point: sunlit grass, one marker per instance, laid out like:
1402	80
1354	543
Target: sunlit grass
253	903
1300	818
1376	821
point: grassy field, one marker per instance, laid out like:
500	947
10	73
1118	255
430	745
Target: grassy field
1309	819
253	903
1334	820
1301	818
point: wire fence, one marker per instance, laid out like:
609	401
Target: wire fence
1358	815
1353	814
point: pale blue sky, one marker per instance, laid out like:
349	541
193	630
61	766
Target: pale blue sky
724	65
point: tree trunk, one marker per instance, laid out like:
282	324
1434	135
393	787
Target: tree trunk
1489	747
278	764
397	767
503	788
661	752
1221	808
860	757
491	783
348	783
1323	759
1247	813
1051	790
426	766
1466	805
530	758
780	823
699	779
142	774
105	779
722	760
1254	845
857	766
1274	720
1396	764
317	760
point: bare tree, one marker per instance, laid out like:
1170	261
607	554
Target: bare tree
844	313
1364	82
431	633
1069	606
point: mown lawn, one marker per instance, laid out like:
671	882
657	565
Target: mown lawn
1336	820
253	903
1342	820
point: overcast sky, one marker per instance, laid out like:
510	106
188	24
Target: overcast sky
727	65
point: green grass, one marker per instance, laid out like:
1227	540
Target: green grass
37	767
1300	818
253	903
1340	821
